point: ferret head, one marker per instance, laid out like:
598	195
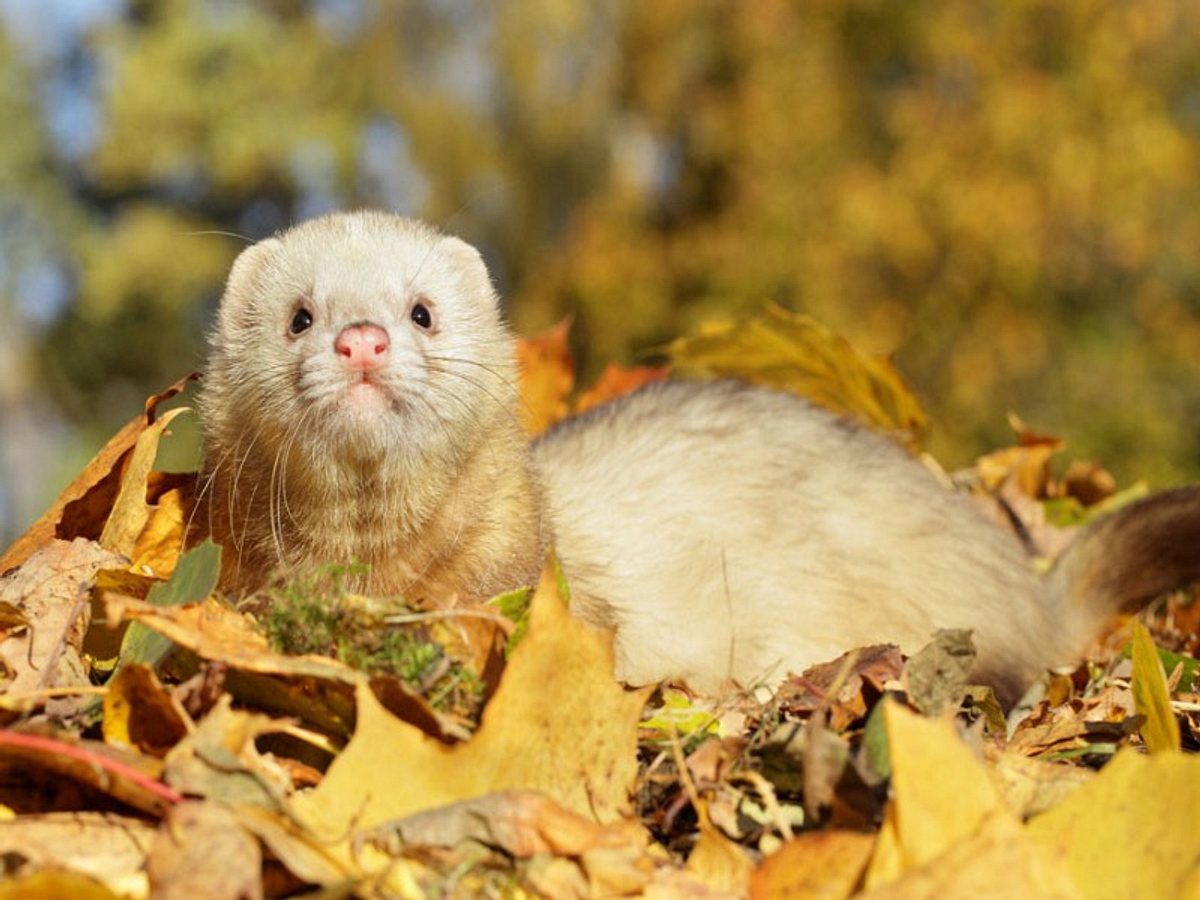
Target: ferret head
360	339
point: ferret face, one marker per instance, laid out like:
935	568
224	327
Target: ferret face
361	336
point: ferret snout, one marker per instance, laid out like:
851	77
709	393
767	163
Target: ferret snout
363	347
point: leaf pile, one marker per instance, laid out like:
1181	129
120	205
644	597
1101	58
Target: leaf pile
358	761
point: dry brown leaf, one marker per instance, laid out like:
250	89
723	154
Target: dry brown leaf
793	352
142	714
616	381
127	776
201	850
219	760
521	823
108	848
1088	482
870	669
1030	786
547	376
1026	465
84	505
558	723
817	865
52	592
1073	725
299	852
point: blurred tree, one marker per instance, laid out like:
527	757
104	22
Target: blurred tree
1005	194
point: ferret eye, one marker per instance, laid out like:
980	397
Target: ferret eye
421	316
301	321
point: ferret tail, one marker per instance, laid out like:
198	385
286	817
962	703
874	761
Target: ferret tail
1127	558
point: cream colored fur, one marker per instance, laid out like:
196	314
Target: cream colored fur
732	533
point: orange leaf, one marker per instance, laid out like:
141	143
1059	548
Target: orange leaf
616	380
547	376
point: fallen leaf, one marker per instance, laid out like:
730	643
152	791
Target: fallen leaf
995	861
53	884
858	687
301	854
123	774
793	352
193	837
719	863
679	716
141	714
130	512
1088	482
573	738
937	674
821	865
1132	832
547	376
107	848
160	543
1151	697
521	823
616	381
1081	726
219	760
316	688
1031	786
1026	466
84	505
945	832
940	794
52	592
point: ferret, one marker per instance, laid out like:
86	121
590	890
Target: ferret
361	404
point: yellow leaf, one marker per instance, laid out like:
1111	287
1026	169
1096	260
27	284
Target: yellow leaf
945	831
940	794
130	512
161	540
558	723
1151	696
998	860
818	864
719	863
793	352
547	376
1132	832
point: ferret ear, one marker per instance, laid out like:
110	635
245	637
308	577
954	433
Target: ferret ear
250	262
468	262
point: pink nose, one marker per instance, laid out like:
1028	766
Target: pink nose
362	347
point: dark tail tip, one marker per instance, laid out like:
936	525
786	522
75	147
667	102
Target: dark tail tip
1127	558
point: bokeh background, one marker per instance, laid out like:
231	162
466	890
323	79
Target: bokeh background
1005	194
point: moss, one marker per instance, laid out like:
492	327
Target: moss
316	614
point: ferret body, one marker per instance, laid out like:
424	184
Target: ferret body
360	404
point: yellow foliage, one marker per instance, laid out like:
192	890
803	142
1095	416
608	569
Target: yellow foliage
573	738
